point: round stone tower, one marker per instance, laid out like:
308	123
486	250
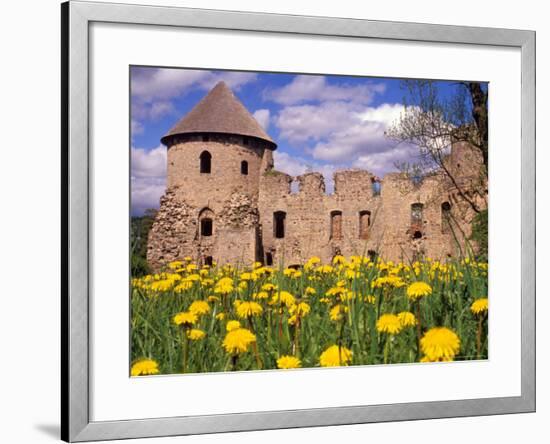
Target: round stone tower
216	155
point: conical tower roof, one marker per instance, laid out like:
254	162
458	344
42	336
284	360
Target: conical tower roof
219	112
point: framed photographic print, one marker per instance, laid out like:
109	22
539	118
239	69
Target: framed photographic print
278	221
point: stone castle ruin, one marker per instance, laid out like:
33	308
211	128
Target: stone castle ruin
226	203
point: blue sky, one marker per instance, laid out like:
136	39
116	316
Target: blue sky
320	123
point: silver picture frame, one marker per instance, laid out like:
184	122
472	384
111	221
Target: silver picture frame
77	16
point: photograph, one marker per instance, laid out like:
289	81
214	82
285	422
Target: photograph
281	221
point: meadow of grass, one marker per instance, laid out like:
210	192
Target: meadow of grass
354	311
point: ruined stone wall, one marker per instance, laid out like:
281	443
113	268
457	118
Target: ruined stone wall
353	220
308	224
442	230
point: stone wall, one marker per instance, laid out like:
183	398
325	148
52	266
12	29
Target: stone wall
353	220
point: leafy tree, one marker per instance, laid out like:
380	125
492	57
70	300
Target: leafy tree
432	122
139	232
480	235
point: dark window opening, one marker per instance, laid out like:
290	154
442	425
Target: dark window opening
364	224
244	167
206	227
206	162
417	235
372	255
245	140
416	214
445	217
208	261
295	266
279	224
268	259
336	225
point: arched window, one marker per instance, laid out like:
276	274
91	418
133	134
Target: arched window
416	214
206	227
206	222
336	225
244	167
364	224
279	224
206	162
208	261
269	258
445	217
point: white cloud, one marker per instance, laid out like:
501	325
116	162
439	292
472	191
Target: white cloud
385	161
345	133
154	89
263	117
316	88
148	177
146	193
149	84
137	128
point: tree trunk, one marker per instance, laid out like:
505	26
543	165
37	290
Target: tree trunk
480	115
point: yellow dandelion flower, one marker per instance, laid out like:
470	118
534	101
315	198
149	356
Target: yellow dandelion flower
237	341
144	367
248	276
269	287
335	356
309	291
302	309
407	319
243	285
338	259
224	285
287	362
185	318
284	297
353	274
388	323
324	269
311	262
213	299
292	320
418	289
195	334
248	309
232	325
370	299
480	306
335	291
199	308
175	265
388	282
260	295
220	316
440	344
337	312
183	286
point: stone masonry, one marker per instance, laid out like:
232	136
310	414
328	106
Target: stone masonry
225	201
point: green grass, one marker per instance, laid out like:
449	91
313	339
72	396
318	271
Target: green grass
155	336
